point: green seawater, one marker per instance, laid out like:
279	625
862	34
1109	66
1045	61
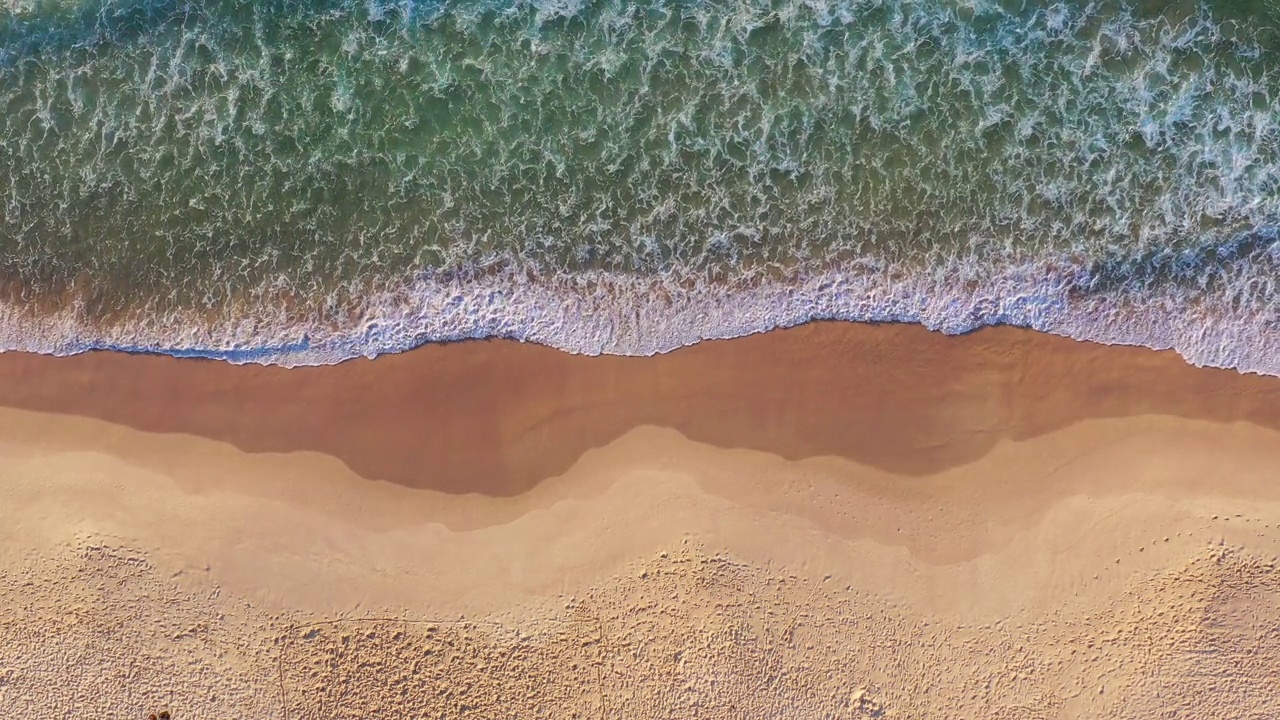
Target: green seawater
187	154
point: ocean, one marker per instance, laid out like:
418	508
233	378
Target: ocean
304	182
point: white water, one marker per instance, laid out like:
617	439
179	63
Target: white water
1232	324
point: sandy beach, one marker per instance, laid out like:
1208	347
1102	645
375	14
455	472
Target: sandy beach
832	521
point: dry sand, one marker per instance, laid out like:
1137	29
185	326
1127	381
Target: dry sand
834	521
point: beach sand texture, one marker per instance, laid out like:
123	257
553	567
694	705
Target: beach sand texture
832	521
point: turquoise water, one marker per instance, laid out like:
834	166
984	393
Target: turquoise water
301	182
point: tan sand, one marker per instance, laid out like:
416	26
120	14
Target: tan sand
835	521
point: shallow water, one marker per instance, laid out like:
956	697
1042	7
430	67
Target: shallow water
301	182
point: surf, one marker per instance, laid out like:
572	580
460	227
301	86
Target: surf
303	183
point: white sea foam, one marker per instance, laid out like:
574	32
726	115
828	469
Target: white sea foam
1233	326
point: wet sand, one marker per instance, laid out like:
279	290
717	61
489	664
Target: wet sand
836	520
497	417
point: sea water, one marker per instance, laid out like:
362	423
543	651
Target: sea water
303	182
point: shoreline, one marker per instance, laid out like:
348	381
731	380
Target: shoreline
1228	322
